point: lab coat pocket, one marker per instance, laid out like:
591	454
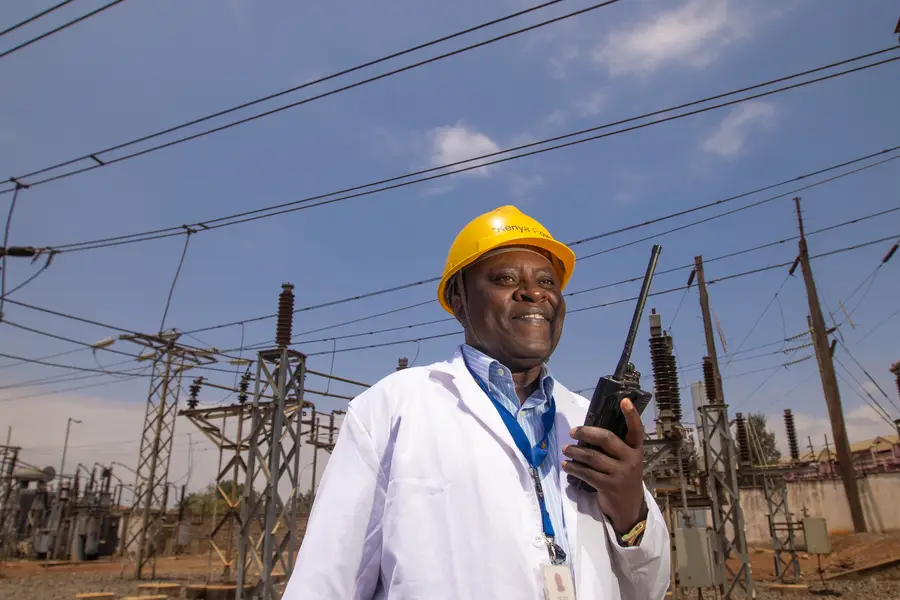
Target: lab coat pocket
416	529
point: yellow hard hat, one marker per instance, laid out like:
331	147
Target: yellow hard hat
504	226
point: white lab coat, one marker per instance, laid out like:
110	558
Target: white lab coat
426	497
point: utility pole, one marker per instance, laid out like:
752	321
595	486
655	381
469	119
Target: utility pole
895	369
313	438
830	386
721	462
62	464
708	327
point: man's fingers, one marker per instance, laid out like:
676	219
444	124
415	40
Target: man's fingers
595	478
635	436
591	458
604	438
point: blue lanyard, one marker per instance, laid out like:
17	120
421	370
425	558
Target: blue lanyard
535	456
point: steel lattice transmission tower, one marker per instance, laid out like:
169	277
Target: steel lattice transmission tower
722	479
170	361
270	505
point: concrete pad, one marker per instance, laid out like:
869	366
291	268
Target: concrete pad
221	592
195	592
159	588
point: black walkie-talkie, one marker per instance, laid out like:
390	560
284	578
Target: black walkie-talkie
605	409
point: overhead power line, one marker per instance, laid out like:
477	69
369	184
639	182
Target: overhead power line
70	367
98	161
631	299
609	233
452	333
55	30
54	355
64	378
35	17
474	162
67	390
568	294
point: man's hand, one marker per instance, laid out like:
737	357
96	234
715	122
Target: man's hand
618	478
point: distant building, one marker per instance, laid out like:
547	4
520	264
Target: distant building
877	455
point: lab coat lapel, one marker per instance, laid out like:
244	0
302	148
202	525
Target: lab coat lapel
473	400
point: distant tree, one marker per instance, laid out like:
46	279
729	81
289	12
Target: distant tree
761	439
210	496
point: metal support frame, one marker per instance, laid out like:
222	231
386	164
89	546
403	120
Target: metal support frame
230	429
9	502
231	471
781	528
722	479
151	488
269	520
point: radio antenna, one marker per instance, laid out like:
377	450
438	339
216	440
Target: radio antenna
638	313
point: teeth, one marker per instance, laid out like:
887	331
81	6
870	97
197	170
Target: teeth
534	317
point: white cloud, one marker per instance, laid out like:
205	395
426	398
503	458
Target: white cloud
591	105
870	387
692	35
730	136
521	186
450	144
560	61
557	117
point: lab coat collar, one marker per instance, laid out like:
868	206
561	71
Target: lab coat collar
472	399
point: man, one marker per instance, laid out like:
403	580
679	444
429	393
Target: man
450	480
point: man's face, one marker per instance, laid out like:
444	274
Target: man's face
514	309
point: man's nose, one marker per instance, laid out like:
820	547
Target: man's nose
530	291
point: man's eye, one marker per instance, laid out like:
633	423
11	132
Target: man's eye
504	278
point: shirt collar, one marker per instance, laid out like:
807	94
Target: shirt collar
484	366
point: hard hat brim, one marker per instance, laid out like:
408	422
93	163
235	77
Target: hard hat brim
557	249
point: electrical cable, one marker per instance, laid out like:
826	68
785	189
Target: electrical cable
879	325
6	228
760	317
323	199
631	299
34	17
70	340
871	280
55	30
383	291
54	355
859	386
875	408
99	163
34	276
574	293
190	334
71	367
870	378
64	378
272	96
187	240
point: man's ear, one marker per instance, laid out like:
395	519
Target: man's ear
459	310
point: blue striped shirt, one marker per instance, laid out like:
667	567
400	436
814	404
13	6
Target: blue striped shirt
528	414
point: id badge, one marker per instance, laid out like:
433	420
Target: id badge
558	583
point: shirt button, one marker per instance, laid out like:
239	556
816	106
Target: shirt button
500	372
538	541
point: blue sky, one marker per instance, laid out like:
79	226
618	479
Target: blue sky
143	66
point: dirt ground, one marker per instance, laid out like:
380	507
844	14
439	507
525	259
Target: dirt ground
30	580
